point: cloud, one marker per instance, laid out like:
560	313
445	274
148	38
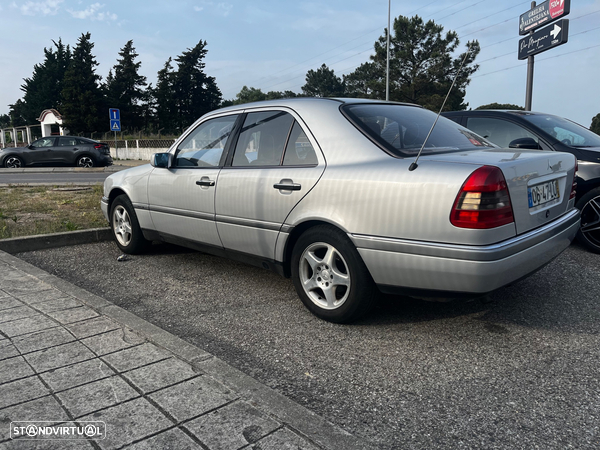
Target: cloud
217	8
93	12
46	7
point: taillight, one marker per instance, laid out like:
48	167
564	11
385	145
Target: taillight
574	185
98	146
483	201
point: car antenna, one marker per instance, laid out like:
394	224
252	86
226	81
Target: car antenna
414	164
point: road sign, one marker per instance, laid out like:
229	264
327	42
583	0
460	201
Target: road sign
114	114
544	39
115	119
543	14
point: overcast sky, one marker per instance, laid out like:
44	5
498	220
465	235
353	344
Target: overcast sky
271	44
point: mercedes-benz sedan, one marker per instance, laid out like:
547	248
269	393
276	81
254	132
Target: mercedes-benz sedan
327	191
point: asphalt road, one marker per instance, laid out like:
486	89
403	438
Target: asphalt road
518	372
53	178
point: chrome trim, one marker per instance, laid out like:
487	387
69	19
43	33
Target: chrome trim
286	228
249	223
469	252
141	206
181	212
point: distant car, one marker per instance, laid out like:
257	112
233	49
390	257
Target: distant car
534	130
320	190
57	150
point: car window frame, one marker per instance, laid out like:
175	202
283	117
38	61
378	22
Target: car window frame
45	137
234	132
543	142
296	119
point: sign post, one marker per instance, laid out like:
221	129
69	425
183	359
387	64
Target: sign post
544	39
115	122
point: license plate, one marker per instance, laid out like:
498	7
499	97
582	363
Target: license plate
543	193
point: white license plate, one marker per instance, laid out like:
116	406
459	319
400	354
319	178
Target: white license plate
543	193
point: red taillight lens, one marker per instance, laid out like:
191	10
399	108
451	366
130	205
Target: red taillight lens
574	185
98	145
483	201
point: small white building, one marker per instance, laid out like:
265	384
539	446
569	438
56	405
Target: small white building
49	119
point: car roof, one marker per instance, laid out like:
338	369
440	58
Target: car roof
516	112
305	102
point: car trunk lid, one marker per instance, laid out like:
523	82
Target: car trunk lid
539	183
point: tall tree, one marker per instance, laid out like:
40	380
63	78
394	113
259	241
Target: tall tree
421	65
359	83
195	93
164	98
595	126
43	89
126	88
17	113
323	83
83	105
501	106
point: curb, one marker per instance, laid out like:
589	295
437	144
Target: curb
110	169
53	240
307	423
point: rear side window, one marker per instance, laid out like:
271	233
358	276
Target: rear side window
401	129
204	146
263	138
299	150
501	132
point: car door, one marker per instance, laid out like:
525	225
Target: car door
500	131
64	150
181	199
275	164
40	151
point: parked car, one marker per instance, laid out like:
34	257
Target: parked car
57	150
538	131
320	190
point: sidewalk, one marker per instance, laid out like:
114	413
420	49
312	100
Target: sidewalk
68	357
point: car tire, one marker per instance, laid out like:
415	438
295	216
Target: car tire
589	232
13	162
330	277
125	227
85	161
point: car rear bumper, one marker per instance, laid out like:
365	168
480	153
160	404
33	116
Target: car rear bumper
396	263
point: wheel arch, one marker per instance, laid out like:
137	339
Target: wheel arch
295	234
89	155
114	193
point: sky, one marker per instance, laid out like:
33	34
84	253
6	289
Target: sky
271	44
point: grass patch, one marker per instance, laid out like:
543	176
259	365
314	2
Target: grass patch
32	210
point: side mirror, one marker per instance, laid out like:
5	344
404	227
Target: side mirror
527	143
30	147
162	160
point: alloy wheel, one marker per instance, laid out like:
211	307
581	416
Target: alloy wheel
122	225
85	161
590	221
324	275
12	162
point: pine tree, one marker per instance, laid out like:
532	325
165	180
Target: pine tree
323	83
126	88
195	93
164	98
83	106
43	89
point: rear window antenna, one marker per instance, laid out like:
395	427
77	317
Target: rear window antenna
414	165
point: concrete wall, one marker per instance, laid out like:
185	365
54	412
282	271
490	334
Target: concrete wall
140	149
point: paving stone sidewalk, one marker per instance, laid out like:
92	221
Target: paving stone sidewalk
68	357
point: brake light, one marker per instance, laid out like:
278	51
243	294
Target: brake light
483	201
97	146
574	185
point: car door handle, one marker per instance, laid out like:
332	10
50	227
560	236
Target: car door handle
205	181
287	185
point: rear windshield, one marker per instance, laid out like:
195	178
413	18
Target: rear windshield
401	129
564	130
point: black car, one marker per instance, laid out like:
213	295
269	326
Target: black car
533	130
57	150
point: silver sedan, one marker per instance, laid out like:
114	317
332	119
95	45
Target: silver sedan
327	191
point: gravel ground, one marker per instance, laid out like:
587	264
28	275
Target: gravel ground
518	372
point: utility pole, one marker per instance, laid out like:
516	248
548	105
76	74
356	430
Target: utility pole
387	65
529	88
